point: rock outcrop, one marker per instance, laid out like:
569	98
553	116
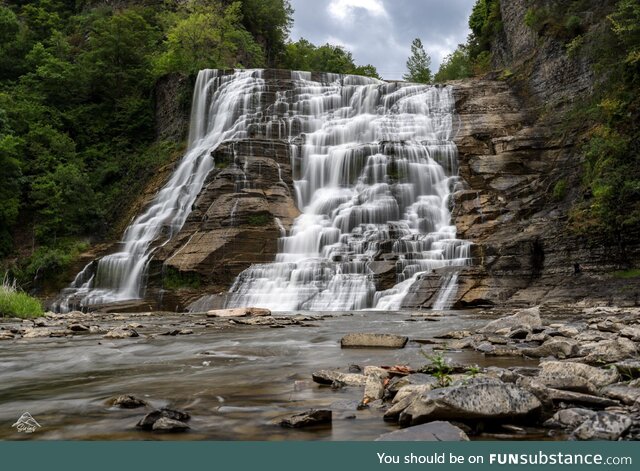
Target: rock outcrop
514	150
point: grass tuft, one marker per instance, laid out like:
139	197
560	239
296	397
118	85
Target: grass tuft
15	303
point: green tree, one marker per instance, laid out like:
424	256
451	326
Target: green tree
456	65
418	64
303	55
13	45
211	37
269	22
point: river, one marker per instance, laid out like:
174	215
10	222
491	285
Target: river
232	379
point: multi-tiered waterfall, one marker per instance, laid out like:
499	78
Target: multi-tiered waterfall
374	168
224	105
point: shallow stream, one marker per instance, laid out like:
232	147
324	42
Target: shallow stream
233	380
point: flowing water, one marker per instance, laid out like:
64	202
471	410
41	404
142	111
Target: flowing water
374	168
233	380
224	106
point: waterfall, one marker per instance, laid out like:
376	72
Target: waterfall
374	168
224	106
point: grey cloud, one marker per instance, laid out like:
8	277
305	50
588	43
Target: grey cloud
384	40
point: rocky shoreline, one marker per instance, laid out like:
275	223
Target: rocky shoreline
586	387
570	373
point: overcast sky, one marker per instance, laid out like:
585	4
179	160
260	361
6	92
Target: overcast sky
380	32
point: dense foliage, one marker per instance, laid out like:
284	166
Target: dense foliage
474	57
77	134
418	64
303	55
610	205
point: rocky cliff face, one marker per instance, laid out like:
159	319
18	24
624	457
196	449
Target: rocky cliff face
236	220
514	150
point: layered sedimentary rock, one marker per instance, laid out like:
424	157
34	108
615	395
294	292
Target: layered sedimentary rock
242	210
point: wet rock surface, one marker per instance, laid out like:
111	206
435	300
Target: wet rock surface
472	399
307	419
583	385
534	398
438	431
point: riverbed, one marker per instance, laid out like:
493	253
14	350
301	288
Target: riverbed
232	379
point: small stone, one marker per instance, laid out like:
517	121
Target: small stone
36	333
329	376
539	337
631	332
307	419
127	401
603	426
568	331
6	336
519	334
573	417
413	390
364	340
78	328
165	424
555	347
151	418
121	332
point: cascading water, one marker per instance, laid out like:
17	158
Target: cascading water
224	106
374	168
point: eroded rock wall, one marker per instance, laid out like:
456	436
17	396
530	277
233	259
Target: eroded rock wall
514	148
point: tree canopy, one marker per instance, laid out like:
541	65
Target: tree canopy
77	80
418	64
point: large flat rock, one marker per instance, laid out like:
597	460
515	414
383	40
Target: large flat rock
479	399
239	312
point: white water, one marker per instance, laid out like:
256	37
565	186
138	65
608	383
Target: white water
223	108
374	168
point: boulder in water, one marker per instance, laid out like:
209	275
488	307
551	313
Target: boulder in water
328	377
165	424
147	422
307	419
122	332
127	401
474	399
364	340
